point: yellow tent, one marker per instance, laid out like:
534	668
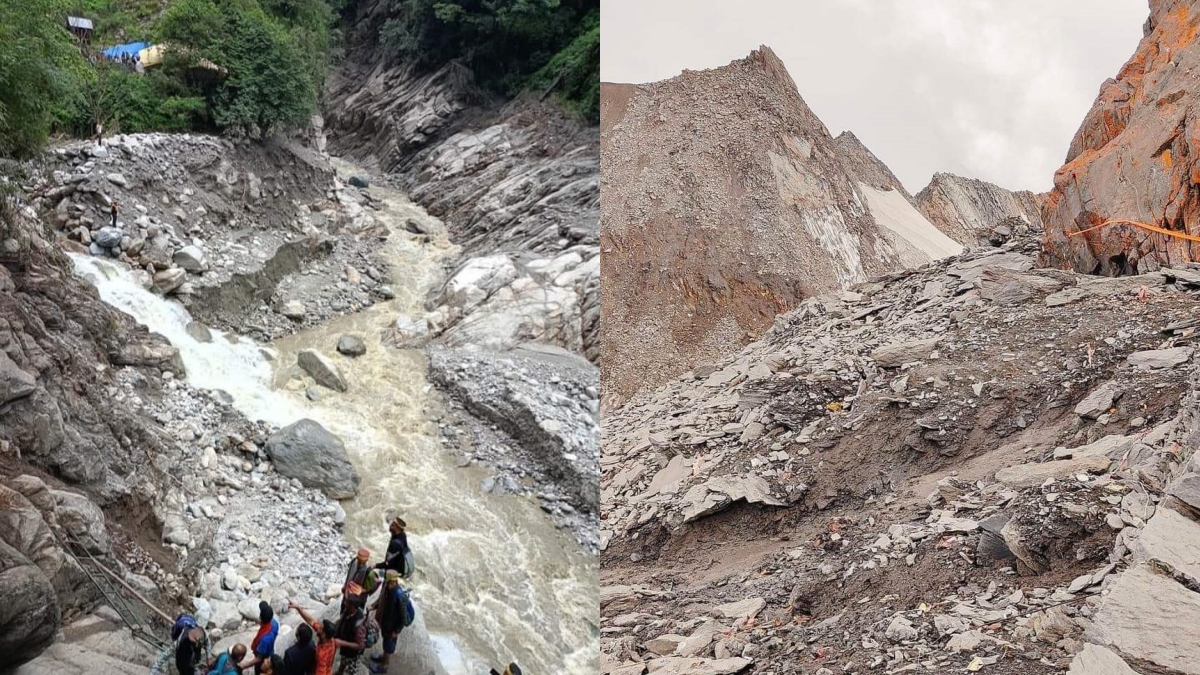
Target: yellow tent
153	56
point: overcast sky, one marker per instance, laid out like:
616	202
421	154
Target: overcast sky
990	89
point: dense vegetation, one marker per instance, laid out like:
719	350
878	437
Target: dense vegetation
509	45
253	66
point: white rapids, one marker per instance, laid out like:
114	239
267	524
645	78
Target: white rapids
496	580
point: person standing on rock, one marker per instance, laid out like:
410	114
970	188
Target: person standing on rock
356	574
351	632
301	658
395	612
187	650
263	645
100	133
398	556
114	209
327	642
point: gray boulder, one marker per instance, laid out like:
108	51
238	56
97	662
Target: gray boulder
358	181
168	280
1160	358
351	345
191	259
23	527
108	237
308	452
14	382
897	354
83	521
321	369
29	615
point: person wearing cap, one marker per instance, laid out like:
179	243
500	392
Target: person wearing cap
397	546
356	573
263	645
391	612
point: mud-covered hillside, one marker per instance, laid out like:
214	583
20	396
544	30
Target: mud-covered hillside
982	462
726	202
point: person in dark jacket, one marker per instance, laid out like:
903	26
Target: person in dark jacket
301	658
397	546
356	574
187	650
392	614
351	630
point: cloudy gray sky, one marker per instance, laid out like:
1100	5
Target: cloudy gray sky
990	89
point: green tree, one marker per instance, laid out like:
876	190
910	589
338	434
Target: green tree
509	45
267	79
39	68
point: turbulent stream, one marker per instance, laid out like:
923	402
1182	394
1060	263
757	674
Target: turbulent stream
496	581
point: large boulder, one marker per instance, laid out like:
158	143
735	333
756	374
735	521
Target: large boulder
23	527
29	615
14	382
83	521
307	451
168	280
191	259
321	369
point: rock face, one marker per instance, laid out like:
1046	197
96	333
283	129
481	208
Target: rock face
1135	157
967	209
29	615
723	209
306	451
523	179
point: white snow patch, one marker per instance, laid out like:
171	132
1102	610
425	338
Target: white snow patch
895	213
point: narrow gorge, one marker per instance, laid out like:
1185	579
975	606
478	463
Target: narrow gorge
274	347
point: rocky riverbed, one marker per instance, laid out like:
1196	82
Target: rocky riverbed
234	243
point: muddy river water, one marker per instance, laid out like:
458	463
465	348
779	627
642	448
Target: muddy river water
495	581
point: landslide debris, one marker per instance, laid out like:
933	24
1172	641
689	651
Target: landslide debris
978	465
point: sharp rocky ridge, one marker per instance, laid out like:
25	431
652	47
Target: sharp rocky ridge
727	201
983	462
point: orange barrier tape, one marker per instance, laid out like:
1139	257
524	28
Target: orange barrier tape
1144	226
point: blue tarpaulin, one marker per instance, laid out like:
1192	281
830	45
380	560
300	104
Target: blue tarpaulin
131	49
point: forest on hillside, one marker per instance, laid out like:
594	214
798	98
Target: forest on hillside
255	66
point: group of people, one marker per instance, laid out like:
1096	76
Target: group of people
318	643
130	61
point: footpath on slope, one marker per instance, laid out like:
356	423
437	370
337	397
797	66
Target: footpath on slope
977	465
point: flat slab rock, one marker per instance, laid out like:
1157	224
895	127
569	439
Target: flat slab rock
1173	538
1150	618
741	609
674	665
1160	358
898	354
1096	660
1029	475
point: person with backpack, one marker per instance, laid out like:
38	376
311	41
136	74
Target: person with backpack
395	611
351	631
188	650
398	557
227	663
263	645
356	574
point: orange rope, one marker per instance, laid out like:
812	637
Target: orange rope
1144	226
